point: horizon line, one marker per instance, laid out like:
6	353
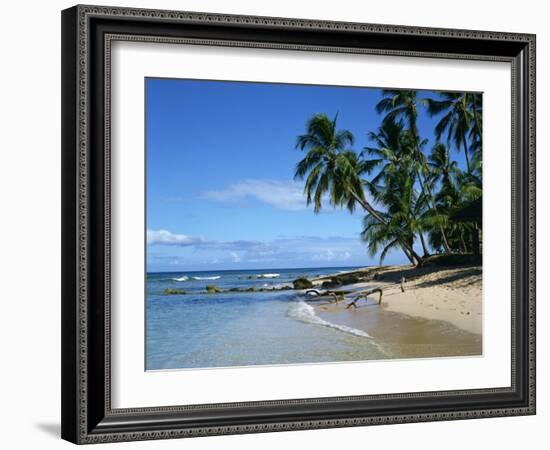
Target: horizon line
276	268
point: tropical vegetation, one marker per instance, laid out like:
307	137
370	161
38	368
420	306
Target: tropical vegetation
412	192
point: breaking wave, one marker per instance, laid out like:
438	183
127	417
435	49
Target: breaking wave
303	312
184	278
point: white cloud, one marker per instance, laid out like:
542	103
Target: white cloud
287	251
167	238
286	195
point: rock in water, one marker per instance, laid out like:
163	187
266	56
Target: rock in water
302	283
173	291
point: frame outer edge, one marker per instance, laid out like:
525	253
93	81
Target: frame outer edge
297	23
532	143
69	264
75	219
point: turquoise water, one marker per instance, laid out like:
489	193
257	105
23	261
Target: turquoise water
199	330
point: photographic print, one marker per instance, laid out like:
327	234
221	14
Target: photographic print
299	224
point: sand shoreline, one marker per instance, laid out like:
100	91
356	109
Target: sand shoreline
438	314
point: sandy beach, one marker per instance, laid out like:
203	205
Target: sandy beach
438	314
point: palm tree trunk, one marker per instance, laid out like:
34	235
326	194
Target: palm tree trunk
406	247
475	239
468	168
409	256
424	186
423	242
476	118
463	243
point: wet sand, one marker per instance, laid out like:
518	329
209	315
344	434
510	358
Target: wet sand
438	314
404	336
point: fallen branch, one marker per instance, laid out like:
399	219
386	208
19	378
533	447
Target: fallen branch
364	294
327	292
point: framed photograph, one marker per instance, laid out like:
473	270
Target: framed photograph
279	224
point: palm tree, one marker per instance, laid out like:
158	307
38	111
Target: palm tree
458	120
475	136
444	172
392	152
462	120
384	237
456	191
402	104
398	104
443	169
402	203
330	167
389	150
475	106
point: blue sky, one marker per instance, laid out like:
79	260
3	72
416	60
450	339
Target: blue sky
220	165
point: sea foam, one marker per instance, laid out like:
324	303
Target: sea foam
306	313
216	277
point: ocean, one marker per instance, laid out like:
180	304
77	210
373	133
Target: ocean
230	329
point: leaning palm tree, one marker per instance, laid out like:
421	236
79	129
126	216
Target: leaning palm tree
329	167
402	104
383	237
392	153
401	201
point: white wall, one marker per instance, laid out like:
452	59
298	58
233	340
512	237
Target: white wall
30	221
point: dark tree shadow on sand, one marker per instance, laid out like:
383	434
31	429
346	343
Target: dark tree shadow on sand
467	276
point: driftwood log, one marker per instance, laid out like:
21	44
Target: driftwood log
341	295
327	292
365	294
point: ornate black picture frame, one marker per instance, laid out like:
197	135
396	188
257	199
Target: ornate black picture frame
87	415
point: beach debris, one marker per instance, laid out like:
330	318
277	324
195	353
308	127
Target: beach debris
173	291
302	283
327	292
336	295
364	294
